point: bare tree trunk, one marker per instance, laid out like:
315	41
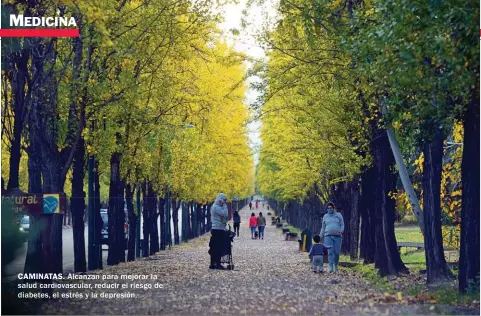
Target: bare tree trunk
77	206
163	233
116	214
469	252
403	174
129	199
437	269
146	221
387	257
354	224
154	233
175	218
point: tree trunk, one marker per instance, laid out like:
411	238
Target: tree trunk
185	236
145	221
209	219
469	252
354	222
99	225
192	220
77	206
116	214
19	67
437	269
368	241
198	211
129	199
175	218
403	174
387	257
154	233
34	245
163	233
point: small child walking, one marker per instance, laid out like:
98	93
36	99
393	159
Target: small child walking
317	254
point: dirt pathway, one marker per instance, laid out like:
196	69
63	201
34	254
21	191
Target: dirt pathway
271	277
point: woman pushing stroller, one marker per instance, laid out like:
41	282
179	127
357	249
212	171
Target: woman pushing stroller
219	217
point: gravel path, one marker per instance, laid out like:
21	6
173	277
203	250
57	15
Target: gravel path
270	277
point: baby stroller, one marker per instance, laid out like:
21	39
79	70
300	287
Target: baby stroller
226	254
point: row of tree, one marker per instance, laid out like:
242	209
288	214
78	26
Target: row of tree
148	98
341	77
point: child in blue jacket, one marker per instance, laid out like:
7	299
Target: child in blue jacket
317	254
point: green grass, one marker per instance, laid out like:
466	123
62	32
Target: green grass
414	260
409	234
294	229
371	276
448	294
451	296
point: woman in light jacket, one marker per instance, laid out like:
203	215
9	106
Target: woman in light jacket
332	230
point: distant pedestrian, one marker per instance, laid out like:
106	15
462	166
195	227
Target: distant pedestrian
250	206
317	254
253	224
261	224
257	204
237	221
332	230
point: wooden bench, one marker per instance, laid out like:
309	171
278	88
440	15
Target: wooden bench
291	236
418	245
285	230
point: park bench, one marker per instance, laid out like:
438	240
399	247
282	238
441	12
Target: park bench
291	236
417	245
285	230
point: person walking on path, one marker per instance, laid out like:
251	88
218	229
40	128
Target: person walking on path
250	206
316	253
253	224
257	204
261	224
331	232
219	217
237	221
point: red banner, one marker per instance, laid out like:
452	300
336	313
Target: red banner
39	32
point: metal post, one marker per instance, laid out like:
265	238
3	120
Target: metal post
137	222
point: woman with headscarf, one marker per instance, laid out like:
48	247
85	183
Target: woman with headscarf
219	217
331	231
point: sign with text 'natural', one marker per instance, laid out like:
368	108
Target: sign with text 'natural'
34	204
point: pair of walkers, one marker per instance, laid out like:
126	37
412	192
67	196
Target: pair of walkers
331	233
257	224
